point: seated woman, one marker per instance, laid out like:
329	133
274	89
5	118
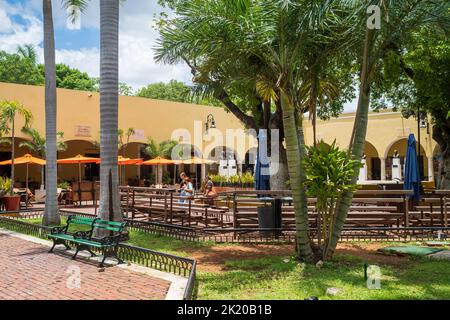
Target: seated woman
187	189
209	192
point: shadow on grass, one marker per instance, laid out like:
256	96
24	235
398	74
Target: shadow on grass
280	278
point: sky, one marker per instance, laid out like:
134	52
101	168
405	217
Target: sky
78	46
21	23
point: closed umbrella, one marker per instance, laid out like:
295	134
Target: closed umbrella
262	169
79	159
412	178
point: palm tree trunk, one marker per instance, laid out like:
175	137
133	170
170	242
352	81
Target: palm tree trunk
357	142
51	215
13	155
295	155
109	101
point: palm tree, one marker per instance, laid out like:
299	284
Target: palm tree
163	150
51	215
37	144
109	100
124	146
402	17
28	52
265	45
9	111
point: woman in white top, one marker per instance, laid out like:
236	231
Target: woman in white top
187	189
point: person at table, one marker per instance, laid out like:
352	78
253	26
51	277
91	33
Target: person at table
209	192
182	177
187	190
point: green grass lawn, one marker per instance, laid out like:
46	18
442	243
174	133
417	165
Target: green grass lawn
273	278
277	276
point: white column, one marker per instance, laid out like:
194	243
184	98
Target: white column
430	169
203	175
363	171
383	169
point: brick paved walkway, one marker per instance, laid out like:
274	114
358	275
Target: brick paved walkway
28	272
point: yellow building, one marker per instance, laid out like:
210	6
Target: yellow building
78	118
387	132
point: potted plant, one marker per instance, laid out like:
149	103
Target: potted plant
10	200
3	191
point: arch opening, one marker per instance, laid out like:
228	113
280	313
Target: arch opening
400	146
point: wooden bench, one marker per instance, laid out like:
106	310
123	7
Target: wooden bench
85	240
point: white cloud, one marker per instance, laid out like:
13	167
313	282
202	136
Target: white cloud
86	59
136	40
13	34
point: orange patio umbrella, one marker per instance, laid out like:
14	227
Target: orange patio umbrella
195	160
79	159
122	161
157	162
127	161
26	159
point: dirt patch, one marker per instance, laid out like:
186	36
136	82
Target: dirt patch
213	259
369	253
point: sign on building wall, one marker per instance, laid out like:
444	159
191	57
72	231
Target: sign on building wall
82	131
139	134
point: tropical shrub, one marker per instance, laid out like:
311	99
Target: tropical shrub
329	173
5	185
244	180
64	185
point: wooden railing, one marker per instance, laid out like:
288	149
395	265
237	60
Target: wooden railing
239	208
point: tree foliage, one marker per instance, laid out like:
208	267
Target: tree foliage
20	67
71	78
416	81
37	141
163	149
175	91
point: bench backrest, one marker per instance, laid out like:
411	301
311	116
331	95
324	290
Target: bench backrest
109	225
81	220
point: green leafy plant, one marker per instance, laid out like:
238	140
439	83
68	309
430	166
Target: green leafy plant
247	178
5	185
64	185
167	179
329	173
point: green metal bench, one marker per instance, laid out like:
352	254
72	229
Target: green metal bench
85	240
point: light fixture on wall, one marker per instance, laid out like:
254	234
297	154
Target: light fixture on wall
210	122
423	123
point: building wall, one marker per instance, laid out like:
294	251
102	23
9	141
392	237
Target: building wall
387	131
78	118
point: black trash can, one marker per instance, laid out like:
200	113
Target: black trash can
269	216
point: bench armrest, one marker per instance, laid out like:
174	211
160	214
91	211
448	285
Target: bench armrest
82	235
59	230
111	240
